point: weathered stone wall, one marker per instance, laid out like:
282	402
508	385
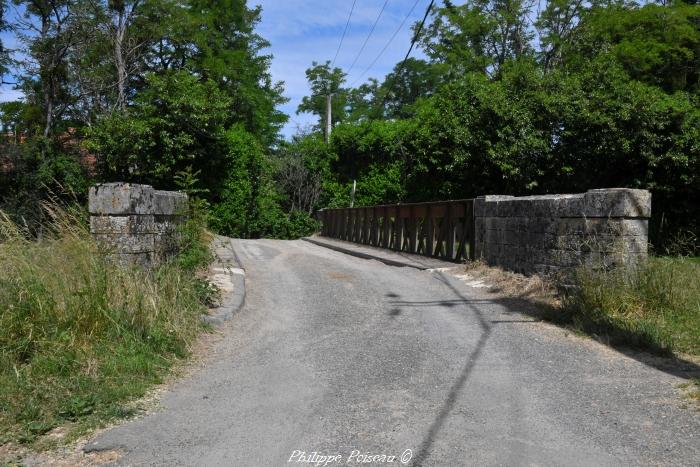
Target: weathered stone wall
135	223
548	234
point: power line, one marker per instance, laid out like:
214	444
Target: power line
415	37
368	36
413	42
387	44
347	23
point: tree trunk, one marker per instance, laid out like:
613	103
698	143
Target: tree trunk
119	35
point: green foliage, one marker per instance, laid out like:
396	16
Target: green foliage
656	44
175	122
194	239
300	224
153	84
39	169
228	53
373	154
528	133
251	205
325	81
408	82
4	55
248	207
479	35
656	306
80	345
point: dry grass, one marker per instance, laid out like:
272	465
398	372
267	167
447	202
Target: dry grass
653	306
514	285
80	337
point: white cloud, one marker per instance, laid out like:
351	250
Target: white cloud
302	31
7	94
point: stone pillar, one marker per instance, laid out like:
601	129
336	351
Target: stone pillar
553	233
135	223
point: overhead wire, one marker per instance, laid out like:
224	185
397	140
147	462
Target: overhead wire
364	44
342	38
386	46
413	42
398	70
418	31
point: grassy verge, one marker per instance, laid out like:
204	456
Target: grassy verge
655	307
80	337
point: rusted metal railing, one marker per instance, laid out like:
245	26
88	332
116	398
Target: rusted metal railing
442	229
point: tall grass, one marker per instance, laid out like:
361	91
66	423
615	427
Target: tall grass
655	305
80	336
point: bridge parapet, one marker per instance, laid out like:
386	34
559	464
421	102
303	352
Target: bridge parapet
135	223
530	234
549	233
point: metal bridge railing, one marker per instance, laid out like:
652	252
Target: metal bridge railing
441	229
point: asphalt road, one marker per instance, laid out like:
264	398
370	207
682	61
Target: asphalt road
339	355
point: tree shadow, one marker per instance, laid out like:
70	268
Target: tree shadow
634	343
519	307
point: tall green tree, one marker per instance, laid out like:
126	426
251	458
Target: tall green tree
408	82
556	28
324	82
479	35
229	52
175	121
657	44
50	30
394	97
4	54
216	40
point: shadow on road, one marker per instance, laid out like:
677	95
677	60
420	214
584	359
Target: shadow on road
612	334
448	404
673	365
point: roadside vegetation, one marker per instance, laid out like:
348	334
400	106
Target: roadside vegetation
80	337
692	390
511	97
655	306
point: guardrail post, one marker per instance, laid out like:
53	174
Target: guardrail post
450	232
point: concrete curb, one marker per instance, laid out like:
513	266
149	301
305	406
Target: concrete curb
229	265
363	255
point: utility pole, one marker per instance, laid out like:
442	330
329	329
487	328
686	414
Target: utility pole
352	194
328	118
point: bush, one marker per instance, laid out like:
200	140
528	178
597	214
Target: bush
250	205
176	121
78	345
300	224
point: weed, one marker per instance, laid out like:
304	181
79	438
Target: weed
655	305
80	336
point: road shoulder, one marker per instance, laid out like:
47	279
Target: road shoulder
227	274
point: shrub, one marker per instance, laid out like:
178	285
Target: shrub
249	205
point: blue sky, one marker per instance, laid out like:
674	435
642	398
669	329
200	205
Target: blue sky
301	31
9	41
